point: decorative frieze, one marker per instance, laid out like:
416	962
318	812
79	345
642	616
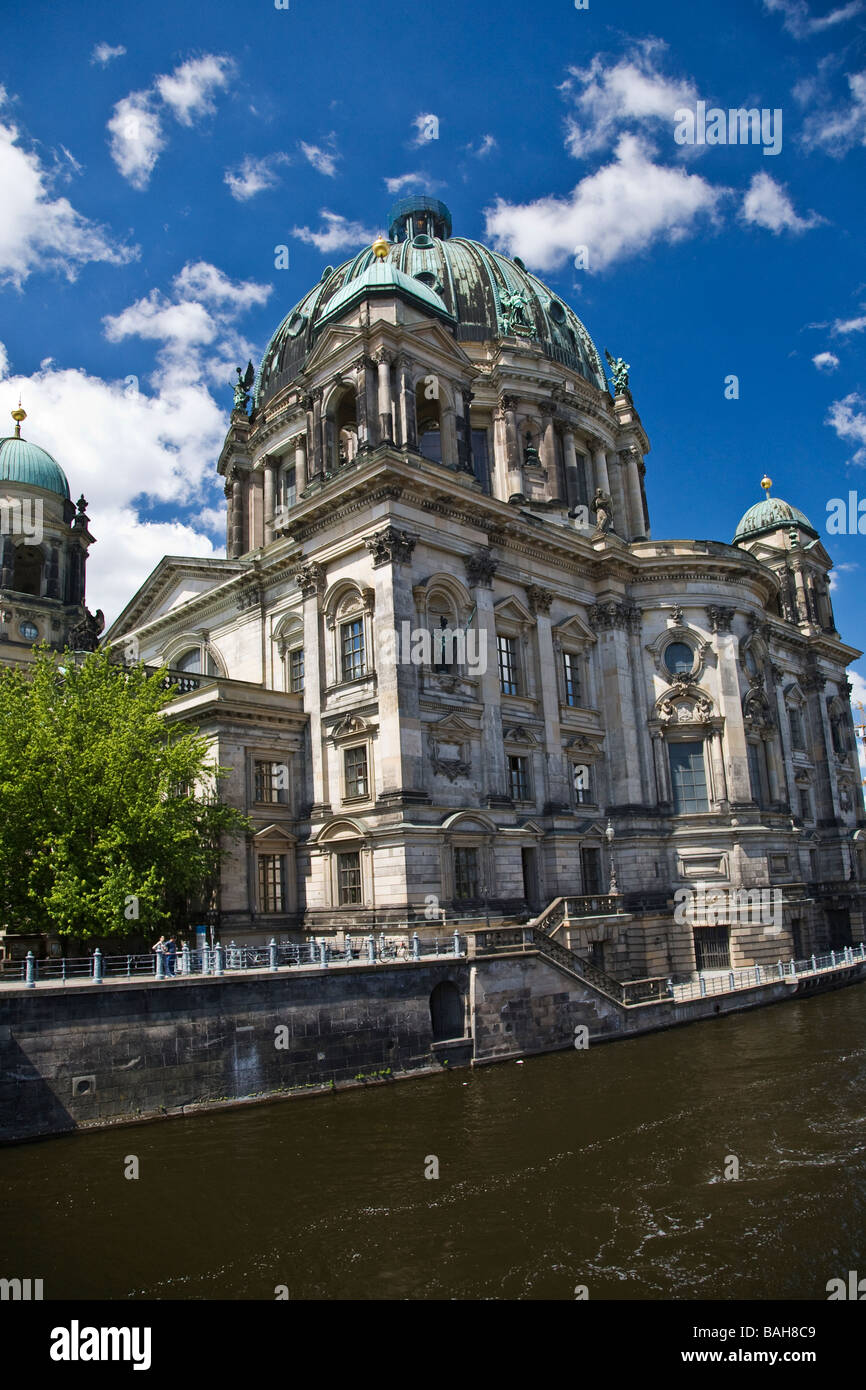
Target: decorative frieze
605	616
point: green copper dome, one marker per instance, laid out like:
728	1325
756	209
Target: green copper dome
482	295
23	462
769	515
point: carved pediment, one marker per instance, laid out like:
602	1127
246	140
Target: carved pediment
575	629
512	610
349	726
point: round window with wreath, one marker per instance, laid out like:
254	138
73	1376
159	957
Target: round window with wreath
679	658
29	631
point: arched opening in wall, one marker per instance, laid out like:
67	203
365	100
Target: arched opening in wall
28	570
442	625
344	411
482	455
429	416
190	661
446	1012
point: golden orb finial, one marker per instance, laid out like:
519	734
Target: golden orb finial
766	484
18	415
381	247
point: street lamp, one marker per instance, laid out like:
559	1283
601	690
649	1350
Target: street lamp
610	835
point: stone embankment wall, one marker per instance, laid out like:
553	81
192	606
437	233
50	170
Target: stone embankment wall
83	1056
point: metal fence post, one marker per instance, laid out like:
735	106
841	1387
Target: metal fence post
758	973
833	959
323	952
456	942
781	971
205	959
184	955
703	986
97	966
416	946
348	947
371	949
731	980
814	962
30	970
793	967
160	965
218	959
272	952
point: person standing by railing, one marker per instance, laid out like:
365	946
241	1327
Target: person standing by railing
170	956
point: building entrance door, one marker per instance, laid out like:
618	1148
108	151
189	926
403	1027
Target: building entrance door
530	877
590	864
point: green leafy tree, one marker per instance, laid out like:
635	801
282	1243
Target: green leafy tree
110	818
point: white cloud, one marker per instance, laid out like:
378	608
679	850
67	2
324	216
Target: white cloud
767	204
617	212
632	91
72	160
189	90
103	53
337	233
423	183
135	127
137	139
858	705
426	128
487	145
837	131
254	176
131	450
323	161
848	418
799	21
825	361
38	231
841	327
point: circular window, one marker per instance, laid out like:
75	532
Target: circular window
556	311
295	325
428	278
424	242
29	631
329	270
679	658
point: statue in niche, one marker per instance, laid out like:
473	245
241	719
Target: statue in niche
530	451
602	506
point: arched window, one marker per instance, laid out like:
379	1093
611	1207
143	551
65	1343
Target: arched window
446	1012
442	625
28	570
190	661
343	421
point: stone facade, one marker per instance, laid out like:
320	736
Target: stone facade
406	480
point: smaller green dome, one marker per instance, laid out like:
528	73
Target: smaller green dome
23	462
769	515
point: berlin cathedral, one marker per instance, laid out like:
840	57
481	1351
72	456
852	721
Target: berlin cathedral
430	449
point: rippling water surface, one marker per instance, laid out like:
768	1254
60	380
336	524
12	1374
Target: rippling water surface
604	1168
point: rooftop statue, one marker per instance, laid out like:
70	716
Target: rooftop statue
619	370
603	508
515	306
242	388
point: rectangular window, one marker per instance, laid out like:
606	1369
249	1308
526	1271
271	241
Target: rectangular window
582	498
572	678
518	778
465	874
355	766
581	776
481	458
349	878
272	883
290	487
688	778
353	648
805	804
757	770
296	671
272	782
798	737
507	647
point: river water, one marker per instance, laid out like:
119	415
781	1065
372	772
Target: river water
604	1169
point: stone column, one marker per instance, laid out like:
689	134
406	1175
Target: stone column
270	466
236	510
468	398
7	562
726	647
480	569
621	524
313	404
400	730
599	464
662	769
557	784
361	411
612	621
513	461
572	483
408	419
310	578
778	676
449	434
386	409
300	465
548	448
631	475
720	786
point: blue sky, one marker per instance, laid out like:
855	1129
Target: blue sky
152	158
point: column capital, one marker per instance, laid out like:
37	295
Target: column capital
390	546
384	357
719	617
480	569
539	599
310	578
508	402
606	616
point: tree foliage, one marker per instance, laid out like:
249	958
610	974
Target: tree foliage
110	819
